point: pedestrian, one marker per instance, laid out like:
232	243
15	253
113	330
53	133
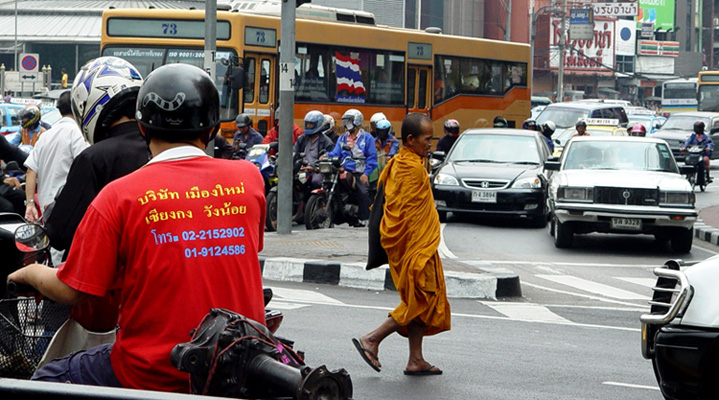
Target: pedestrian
50	160
167	285
63	79
410	234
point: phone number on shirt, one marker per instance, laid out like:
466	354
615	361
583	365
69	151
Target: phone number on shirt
215	251
222	233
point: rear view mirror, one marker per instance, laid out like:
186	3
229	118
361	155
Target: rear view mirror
30	238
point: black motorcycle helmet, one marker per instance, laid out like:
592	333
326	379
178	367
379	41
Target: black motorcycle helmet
243	120
699	127
178	103
500	122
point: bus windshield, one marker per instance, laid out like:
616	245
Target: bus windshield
708	98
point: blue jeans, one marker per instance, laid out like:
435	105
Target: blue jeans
87	367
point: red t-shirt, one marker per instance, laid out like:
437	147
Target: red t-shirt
188	233
273	134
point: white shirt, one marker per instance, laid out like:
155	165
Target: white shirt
52	156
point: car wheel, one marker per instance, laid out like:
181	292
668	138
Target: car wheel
442	216
551	225
682	240
563	235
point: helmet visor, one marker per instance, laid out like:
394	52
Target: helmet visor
310	125
454	130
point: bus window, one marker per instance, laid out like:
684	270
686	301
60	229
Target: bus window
422	95
265	81
233	81
249	89
311	63
411	77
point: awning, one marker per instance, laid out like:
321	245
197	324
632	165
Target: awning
608	90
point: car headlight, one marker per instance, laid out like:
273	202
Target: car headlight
575	194
527	183
677	198
444	179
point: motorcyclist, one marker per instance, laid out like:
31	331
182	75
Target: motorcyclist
451	133
30	127
384	140
362	145
330	131
530	125
168	285
500	122
376	117
547	129
245	134
638	130
311	145
699	137
274	133
581	127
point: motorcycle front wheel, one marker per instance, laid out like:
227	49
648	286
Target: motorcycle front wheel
318	213
271	218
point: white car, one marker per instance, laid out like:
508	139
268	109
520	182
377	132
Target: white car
628	185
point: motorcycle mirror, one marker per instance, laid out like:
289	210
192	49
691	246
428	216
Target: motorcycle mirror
273	145
31	237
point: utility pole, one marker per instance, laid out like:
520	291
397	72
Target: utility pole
287	107
210	51
508	30
562	44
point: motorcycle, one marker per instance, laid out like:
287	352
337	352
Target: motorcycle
261	155
695	159
335	202
301	187
680	334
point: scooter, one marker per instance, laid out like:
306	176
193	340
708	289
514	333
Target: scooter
335	202
695	158
301	187
680	334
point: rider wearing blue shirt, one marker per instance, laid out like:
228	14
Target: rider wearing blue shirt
362	145
701	139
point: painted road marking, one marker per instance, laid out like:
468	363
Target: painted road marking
630	385
593	287
525	311
646	282
443	249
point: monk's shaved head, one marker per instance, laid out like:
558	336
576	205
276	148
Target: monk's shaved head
412	125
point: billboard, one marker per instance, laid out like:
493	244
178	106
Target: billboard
658	12
584	55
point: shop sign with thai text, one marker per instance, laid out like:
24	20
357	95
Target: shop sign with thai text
596	54
615	9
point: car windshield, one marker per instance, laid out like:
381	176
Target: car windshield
683	122
619	155
500	148
564	137
562	117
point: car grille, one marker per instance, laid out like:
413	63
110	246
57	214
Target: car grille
485	183
626	196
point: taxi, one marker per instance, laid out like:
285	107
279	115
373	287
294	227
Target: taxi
595	127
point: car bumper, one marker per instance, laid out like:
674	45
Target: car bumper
687	362
598	217
509	202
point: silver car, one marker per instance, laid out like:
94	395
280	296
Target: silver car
628	185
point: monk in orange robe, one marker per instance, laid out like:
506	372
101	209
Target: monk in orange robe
410	235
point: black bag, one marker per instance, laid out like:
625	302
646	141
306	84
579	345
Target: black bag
376	256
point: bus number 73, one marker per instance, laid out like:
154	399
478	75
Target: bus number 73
169	29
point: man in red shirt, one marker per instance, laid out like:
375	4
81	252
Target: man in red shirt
273	134
177	237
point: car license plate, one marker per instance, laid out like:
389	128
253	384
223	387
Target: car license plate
633	224
484	196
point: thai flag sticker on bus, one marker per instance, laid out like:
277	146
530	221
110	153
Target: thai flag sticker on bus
350	88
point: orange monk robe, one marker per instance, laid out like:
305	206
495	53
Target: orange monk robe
410	235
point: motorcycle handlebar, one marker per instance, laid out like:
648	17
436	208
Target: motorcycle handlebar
14	288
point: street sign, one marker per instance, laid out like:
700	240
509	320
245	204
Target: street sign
647	30
29	62
581	24
615	9
28	77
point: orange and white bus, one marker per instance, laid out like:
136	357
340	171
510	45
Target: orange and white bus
343	60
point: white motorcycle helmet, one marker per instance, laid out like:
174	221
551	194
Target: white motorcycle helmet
102	86
352	118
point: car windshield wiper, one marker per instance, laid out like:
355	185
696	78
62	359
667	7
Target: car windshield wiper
525	162
481	160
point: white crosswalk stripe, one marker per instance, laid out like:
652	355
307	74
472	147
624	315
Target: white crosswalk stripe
594	287
525	311
646	282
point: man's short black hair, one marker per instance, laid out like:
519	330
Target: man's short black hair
64	103
412	125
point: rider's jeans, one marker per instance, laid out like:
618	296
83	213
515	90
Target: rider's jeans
86	367
363	200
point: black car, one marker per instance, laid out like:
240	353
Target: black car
679	126
497	172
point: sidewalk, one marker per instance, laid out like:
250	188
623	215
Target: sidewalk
337	256
707	226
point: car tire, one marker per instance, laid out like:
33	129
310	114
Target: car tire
442	216
682	240
563	235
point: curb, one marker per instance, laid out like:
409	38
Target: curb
495	283
706	233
